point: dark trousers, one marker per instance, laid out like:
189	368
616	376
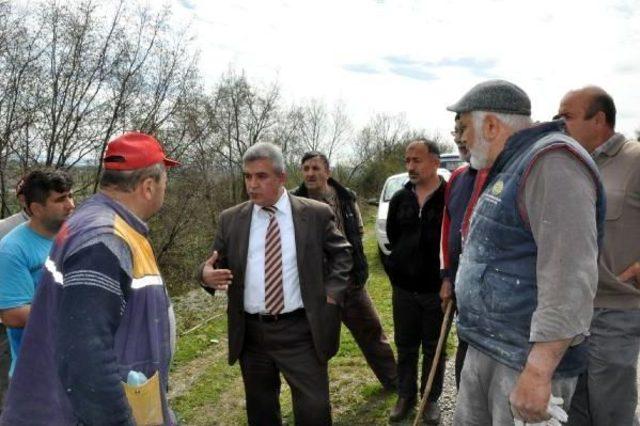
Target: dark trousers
607	393
286	347
417	319
362	320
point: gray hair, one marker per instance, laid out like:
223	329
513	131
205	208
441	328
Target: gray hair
515	122
267	150
128	180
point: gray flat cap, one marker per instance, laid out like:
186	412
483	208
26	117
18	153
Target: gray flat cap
495	96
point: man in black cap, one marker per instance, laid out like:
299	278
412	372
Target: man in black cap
528	271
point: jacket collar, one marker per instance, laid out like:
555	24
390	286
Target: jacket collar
520	140
134	221
611	147
343	193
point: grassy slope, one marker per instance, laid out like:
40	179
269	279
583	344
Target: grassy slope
207	391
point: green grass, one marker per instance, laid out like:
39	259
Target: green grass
207	391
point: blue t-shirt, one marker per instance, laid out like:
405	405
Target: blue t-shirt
22	255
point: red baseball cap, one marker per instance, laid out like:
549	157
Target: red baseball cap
135	150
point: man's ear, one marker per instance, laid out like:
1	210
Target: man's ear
600	119
35	209
490	127
146	188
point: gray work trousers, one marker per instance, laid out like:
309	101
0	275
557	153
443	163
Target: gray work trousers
607	394
485	385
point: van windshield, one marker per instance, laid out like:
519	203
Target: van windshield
451	164
392	186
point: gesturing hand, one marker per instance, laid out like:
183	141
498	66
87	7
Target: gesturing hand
218	279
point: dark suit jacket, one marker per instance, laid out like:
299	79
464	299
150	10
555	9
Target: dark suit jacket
324	263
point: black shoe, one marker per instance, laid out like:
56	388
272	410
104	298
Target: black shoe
401	409
432	414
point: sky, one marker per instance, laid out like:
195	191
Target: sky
418	57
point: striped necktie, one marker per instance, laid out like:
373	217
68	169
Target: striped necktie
273	290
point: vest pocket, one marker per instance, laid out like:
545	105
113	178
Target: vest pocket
468	286
504	293
145	401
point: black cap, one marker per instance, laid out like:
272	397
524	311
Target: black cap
495	96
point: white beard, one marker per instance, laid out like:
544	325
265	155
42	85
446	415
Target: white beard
480	153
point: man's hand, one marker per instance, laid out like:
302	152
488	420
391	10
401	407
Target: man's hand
446	293
555	410
530	398
632	272
217	279
331	300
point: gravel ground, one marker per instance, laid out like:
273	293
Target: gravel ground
448	397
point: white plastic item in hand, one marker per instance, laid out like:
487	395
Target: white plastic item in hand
555	410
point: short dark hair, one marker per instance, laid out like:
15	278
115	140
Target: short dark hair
432	146
602	102
128	180
38	185
312	154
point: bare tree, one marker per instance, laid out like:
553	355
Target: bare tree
320	130
378	139
244	115
19	54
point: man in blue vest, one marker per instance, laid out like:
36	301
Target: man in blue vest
528	272
101	309
457	200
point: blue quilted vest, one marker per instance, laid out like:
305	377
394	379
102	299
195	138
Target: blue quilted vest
496	284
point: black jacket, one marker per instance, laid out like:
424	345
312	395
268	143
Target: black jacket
360	271
414	234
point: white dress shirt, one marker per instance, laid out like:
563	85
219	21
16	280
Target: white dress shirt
254	274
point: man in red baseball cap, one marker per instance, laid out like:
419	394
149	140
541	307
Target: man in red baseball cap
133	151
102	311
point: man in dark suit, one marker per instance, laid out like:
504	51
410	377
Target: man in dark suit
285	266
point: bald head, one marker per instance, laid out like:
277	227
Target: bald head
590	116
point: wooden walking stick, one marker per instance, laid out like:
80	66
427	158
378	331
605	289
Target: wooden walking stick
434	365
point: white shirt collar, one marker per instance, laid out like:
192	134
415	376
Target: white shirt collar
282	205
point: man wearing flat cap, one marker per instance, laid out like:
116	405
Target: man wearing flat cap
528	271
101	310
